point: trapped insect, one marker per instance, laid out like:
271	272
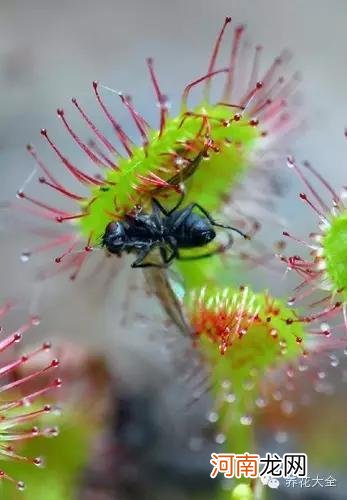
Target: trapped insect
168	230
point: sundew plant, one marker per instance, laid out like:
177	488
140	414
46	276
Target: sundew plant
174	196
227	137
23	402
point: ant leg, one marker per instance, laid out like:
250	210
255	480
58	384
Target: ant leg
214	223
157	205
139	260
220	249
167	259
179	203
163	210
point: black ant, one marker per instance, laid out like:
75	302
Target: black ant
170	230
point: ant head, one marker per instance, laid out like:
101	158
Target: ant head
202	233
114	237
208	235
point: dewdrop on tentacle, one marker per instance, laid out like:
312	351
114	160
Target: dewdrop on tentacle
234	321
20	408
257	349
86	400
206	147
323	266
242	336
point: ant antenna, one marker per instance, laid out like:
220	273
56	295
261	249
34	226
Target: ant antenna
241	233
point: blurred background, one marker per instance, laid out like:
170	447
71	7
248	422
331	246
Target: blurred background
51	51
